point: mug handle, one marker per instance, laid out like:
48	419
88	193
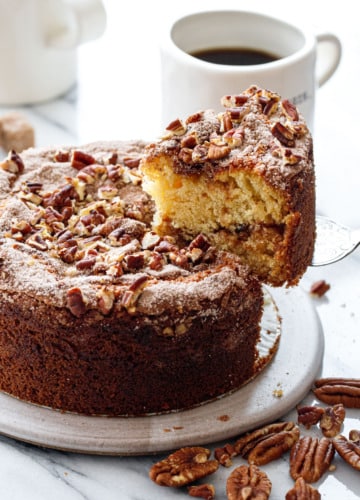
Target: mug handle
328	62
85	21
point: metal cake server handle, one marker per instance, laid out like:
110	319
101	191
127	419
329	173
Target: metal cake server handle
333	241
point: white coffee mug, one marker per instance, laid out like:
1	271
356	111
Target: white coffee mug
190	84
38	41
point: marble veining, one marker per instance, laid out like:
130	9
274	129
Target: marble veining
113	100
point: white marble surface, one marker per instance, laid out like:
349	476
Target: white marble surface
118	96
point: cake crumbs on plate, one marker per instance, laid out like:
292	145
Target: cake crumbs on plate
223	418
278	392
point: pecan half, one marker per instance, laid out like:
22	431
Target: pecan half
310	458
338	390
248	483
309	415
332	420
206	491
267	443
302	491
348	450
182	467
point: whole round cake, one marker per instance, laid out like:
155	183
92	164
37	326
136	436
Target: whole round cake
99	314
131	274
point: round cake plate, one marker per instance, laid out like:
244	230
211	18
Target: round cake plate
283	383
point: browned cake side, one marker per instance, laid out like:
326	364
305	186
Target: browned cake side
244	178
98	314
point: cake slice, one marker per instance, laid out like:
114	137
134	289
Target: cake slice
243	178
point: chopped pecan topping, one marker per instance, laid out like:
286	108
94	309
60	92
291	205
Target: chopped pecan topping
177	127
34	187
283	134
200	241
230	101
319	288
131	162
105	300
183	467
338	390
290	110
79	159
131	295
309	415
234	137
302	491
217	152
13	163
36	241
269	103
196	117
206	491
267	443
75	302
62	156
310	458
189	141
199	154
332	420
248	483
348	450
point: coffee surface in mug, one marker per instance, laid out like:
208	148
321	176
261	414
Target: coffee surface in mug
235	56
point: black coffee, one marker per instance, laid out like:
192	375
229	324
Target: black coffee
235	56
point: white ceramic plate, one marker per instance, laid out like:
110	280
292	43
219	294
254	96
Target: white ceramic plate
274	392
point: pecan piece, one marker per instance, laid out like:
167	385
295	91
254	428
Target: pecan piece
319	288
310	458
79	159
309	415
229	101
206	491
36	241
75	302
354	436
131	162
283	134
225	454
217	152
332	420
338	390
13	163
267	443
348	450
290	110
177	127
248	483
184	466
302	491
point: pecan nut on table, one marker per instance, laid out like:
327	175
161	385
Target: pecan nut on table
310	457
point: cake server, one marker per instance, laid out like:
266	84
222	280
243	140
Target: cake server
333	241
